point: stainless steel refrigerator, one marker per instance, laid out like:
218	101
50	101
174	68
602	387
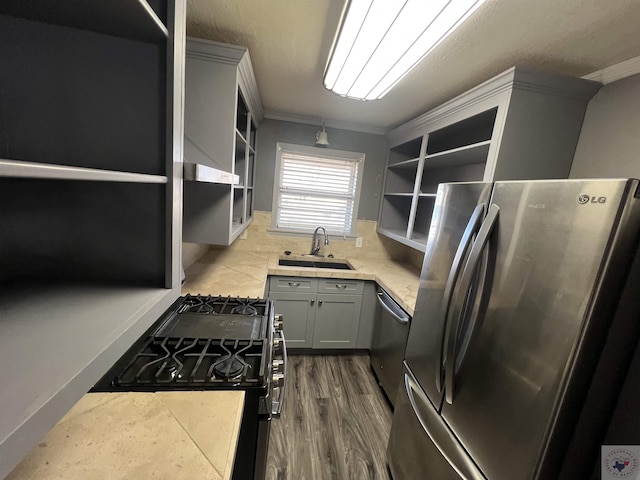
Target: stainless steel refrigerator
525	324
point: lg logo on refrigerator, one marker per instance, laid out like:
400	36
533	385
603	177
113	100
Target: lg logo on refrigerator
584	198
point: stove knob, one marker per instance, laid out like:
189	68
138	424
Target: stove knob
277	323
277	365
276	343
278	379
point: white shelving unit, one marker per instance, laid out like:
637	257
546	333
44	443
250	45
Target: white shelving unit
518	125
90	183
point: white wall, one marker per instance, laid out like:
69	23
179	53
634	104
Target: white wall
609	143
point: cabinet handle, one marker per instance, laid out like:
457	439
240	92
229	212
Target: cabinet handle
294	284
341	285
312	301
319	302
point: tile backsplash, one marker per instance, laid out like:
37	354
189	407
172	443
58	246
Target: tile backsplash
373	245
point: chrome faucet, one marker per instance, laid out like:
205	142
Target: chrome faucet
315	242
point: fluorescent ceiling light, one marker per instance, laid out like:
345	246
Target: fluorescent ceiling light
380	41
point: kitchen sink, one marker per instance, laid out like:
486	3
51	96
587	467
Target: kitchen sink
285	262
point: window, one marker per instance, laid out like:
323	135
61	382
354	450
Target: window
316	187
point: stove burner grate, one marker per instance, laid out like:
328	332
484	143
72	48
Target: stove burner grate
174	361
222	305
245	309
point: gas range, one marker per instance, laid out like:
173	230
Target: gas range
214	343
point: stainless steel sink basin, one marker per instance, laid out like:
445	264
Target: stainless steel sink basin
286	262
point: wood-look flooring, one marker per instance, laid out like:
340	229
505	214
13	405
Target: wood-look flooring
335	422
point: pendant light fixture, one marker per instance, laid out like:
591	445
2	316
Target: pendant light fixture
380	41
322	140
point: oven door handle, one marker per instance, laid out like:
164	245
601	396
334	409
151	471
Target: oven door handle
281	378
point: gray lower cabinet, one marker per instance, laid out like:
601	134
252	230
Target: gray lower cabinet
336	322
298	313
314	319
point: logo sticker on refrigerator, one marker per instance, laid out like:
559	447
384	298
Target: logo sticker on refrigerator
585	198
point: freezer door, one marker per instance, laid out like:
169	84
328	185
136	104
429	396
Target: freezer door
550	239
457	215
421	445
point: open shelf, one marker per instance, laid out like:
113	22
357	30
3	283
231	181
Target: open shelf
253	132
251	169
221	101
13	168
410	164
406	151
518	125
76	230
395	213
135	19
422	220
401	180
61	338
238	204
90	180
82	99
431	177
248	213
475	129
241	142
242	113
401	236
468	154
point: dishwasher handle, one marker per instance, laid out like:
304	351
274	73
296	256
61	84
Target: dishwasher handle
390	306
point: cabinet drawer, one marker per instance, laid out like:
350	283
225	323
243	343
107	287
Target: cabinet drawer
337	285
293	284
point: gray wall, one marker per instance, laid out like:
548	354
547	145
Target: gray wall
609	143
373	146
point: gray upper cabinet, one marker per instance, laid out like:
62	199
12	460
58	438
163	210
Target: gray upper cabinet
90	188
222	114
518	125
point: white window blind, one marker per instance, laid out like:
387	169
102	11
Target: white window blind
317	190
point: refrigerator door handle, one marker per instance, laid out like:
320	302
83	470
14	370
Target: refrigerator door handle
461	297
463	247
444	440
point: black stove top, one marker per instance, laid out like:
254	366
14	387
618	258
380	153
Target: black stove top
195	363
202	342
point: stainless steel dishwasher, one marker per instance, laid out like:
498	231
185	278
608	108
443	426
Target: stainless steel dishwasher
390	332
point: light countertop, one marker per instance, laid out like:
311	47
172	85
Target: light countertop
162	435
242	273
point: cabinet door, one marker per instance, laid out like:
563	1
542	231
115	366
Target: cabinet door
336	321
298	312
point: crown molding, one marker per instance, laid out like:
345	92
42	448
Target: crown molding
310	120
616	72
237	56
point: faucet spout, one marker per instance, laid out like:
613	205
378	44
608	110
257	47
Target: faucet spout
315	241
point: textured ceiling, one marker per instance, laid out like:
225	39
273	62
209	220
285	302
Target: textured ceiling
289	42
